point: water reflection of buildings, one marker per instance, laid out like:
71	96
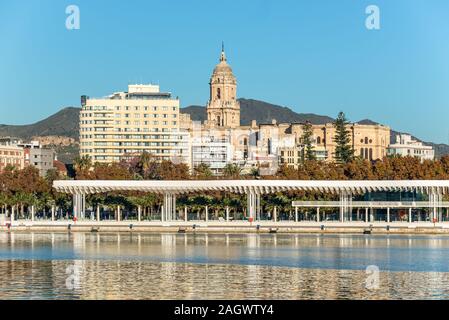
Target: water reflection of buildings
137	266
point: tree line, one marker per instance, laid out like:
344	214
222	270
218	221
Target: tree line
24	188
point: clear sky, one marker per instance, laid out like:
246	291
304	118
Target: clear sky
314	56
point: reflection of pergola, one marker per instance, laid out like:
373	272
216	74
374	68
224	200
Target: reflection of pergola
435	189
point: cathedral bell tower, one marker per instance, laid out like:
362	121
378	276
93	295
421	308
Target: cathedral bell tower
223	109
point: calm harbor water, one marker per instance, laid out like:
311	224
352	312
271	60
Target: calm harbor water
221	266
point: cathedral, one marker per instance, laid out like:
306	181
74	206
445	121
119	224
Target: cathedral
222	140
223	109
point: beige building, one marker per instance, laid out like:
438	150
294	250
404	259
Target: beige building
126	124
368	141
223	109
11	156
270	144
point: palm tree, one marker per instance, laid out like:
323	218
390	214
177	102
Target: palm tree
255	173
22	199
82	166
199	203
232	171
202	171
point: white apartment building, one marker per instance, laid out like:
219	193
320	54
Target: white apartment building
405	145
126	124
208	148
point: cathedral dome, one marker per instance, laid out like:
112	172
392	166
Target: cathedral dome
223	67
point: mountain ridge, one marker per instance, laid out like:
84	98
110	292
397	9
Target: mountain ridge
65	122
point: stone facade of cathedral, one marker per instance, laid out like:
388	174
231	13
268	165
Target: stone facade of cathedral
221	139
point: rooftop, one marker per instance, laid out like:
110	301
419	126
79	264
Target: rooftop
138	92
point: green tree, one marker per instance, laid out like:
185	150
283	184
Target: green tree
82	166
232	171
306	138
202	171
343	150
255	173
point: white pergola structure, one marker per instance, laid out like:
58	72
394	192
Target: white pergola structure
346	189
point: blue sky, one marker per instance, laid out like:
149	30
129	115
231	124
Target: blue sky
313	56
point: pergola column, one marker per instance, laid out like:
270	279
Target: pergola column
118	213
435	199
253	204
169	207
53	213
366	214
207	213
345	205
32	213
186	217
83	206
98	213
173	211
388	215
227	214
296	214
78	205
410	215
275	214
318	214
139	213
